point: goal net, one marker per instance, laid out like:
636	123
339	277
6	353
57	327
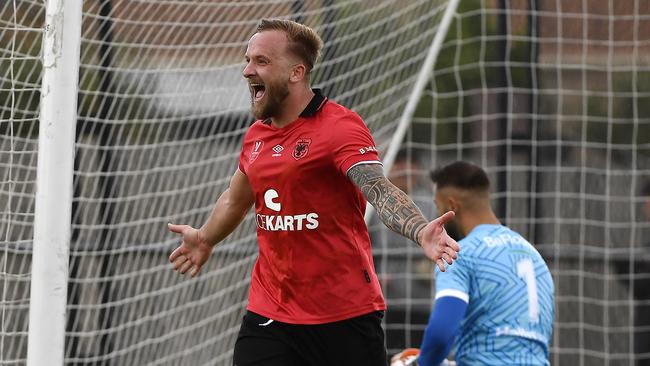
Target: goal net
162	109
552	98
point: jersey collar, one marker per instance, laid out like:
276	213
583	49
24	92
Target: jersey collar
317	102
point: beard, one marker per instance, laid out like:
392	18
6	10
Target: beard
453	231
271	103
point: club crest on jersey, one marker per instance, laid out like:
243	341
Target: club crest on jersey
301	149
255	151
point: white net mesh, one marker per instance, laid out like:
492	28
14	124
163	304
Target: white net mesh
21	24
552	98
161	112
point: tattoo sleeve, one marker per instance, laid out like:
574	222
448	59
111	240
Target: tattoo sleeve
395	209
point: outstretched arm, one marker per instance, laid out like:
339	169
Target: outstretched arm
227	214
444	324
398	212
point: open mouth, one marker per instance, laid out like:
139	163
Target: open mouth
258	91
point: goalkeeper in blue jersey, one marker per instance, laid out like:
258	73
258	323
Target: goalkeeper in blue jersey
496	301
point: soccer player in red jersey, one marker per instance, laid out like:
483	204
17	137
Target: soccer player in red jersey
308	165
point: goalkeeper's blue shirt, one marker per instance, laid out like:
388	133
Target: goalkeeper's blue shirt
509	291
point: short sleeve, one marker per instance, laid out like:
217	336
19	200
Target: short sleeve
242	158
352	143
455	280
250	150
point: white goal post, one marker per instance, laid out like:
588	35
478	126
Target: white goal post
161	111
550	97
53	211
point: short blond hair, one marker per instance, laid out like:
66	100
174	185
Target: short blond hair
304	42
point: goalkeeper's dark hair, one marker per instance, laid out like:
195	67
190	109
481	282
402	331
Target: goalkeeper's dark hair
304	42
463	175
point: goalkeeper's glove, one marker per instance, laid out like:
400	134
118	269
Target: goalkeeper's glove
409	357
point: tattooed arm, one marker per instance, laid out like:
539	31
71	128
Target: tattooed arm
398	212
395	209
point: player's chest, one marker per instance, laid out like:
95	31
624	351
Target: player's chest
288	158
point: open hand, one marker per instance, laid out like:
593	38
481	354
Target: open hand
193	252
437	244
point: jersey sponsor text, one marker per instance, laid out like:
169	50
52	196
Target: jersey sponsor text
308	221
288	222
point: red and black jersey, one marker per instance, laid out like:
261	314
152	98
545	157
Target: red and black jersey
315	263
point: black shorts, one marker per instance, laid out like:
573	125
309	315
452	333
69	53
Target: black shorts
351	342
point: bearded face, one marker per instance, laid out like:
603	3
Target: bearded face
267	97
453	231
269	66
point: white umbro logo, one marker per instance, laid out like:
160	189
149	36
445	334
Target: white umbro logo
277	149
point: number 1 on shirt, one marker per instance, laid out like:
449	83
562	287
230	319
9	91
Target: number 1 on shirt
526	271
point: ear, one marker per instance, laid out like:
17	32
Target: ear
454	204
298	73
